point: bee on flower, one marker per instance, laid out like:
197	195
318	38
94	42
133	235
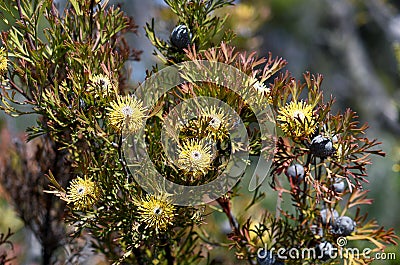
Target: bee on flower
83	193
296	119
126	114
155	211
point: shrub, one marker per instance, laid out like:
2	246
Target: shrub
128	165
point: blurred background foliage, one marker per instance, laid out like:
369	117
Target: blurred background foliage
350	42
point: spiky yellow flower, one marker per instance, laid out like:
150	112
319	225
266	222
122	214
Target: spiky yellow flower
194	157
216	118
3	60
101	84
126	114
296	119
156	212
83	193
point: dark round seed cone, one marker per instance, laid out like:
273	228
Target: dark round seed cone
344	226
265	258
322	147
295	172
339	187
324	251
330	215
180	37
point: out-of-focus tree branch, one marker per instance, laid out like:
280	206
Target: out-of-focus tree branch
386	18
22	167
375	102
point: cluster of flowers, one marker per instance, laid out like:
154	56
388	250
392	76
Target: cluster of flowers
323	155
324	158
126	115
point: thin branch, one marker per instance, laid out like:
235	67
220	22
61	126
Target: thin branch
224	203
385	17
30	41
21	91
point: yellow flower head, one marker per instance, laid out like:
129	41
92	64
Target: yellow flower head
296	119
217	118
101	84
156	211
3	60
195	157
126	114
83	193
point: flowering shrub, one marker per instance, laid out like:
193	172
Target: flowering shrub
96	132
